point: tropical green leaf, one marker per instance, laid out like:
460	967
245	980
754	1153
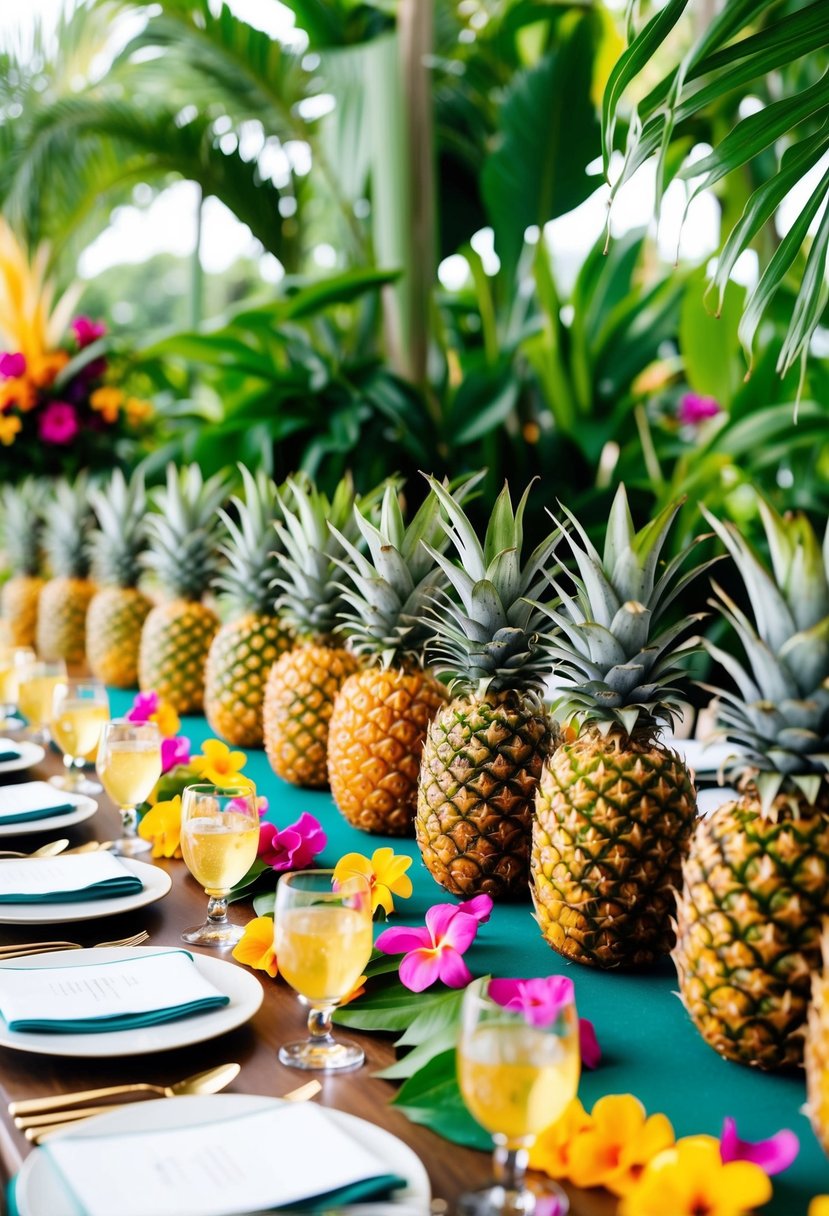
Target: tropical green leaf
432	1098
709	344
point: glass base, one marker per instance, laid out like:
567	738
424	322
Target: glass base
548	1200
326	1056
77	785
131	846
220	935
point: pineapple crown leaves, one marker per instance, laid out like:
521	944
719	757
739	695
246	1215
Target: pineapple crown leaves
252	564
616	664
486	637
22	506
121	537
183	531
392	586
68	520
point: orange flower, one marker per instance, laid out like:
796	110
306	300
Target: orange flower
107	402
10	426
18	391
220	766
690	1178
161	825
137	411
621	1140
358	990
386	874
42	369
551	1151
819	1206
255	947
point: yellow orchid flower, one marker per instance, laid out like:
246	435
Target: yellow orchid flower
819	1206
161	825
220	766
255	947
10	426
619	1142
551	1151
166	719
386	874
690	1177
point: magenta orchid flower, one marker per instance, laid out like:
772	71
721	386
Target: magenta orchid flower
87	331
241	805
694	409
773	1155
58	424
435	952
144	705
540	1001
294	847
173	751
12	365
591	1052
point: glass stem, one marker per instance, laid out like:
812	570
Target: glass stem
217	910
319	1024
509	1164
129	822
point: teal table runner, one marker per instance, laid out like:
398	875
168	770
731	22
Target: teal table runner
649	1046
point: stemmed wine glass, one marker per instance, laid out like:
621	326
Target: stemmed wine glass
79	709
35	689
516	1078
129	765
219	840
323	939
13	660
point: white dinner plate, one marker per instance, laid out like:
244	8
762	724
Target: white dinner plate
30	753
245	992
701	757
40	1191
155	881
85	808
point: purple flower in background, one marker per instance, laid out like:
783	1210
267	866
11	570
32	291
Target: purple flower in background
58	423
12	365
87	331
694	409
174	751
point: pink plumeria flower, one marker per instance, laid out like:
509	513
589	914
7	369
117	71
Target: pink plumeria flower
694	409
294	847
773	1155
540	1001
173	751
12	365
87	331
591	1052
143	707
435	952
241	805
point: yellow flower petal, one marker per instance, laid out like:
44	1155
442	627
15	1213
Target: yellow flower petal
255	947
690	1177
166	719
220	766
551	1151
385	872
819	1206
161	825
620	1142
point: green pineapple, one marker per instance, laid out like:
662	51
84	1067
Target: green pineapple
615	807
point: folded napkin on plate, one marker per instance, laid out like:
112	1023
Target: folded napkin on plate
32	800
8	750
92	997
51	880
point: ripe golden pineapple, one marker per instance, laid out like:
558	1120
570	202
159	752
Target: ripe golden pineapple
22	527
246	647
816	1051
117	612
615	807
177	634
484	750
381	713
756	881
299	695
64	600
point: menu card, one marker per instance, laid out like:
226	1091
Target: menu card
250	1163
32	800
141	990
83	876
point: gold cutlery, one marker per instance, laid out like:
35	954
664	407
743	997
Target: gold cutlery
26	949
209	1082
46	850
91	846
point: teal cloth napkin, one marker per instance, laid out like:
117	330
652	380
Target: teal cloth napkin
42	812
117	1021
9	753
110	888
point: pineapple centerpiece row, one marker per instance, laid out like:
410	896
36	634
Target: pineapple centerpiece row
65	599
22	507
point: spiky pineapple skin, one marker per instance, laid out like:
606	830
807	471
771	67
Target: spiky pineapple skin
18	607
299	700
748	928
816	1051
61	618
375	741
175	641
481	765
114	622
240	659
613	822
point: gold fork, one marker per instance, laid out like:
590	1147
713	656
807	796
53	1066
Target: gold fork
23	950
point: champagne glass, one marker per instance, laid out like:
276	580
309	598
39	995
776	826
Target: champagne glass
13	660
516	1079
323	938
79	709
219	842
35	689
129	765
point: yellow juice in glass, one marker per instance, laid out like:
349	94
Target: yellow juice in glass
219	851
35	698
129	770
515	1079
8	682
77	728
322	950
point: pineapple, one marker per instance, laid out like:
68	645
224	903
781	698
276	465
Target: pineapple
246	647
63	603
615	807
22	527
118	611
756	882
484	750
183	553
302	684
816	1050
381	713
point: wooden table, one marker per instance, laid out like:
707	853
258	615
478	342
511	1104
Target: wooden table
452	1169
